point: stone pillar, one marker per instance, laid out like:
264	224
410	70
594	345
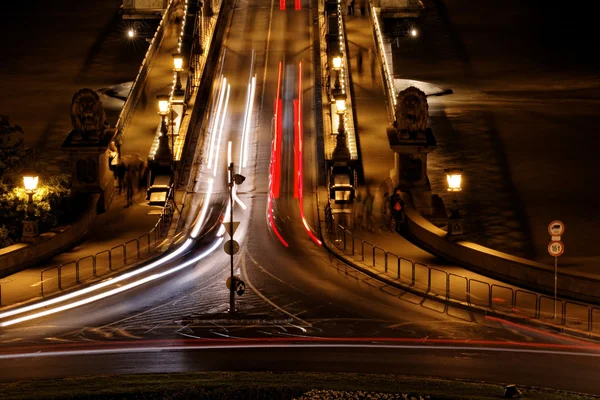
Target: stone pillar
410	167
90	171
87	147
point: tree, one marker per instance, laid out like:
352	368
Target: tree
51	198
12	151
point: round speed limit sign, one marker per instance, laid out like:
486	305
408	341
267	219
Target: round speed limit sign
555	249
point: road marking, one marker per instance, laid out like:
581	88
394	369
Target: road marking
249	282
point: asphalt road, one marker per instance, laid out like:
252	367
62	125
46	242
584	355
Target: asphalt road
299	291
528	367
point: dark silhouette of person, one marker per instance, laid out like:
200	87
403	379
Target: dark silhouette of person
359	61
121	170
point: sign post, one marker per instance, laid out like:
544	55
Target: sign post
555	249
231	246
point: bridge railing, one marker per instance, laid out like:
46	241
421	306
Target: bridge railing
73	273
450	286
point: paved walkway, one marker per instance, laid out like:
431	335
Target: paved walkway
120	223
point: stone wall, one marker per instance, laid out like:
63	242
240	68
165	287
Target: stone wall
22	255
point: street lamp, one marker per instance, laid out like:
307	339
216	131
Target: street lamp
30	223
454	179
337	61
178	67
163	153
340	104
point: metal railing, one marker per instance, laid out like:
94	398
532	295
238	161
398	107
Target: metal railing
450	286
107	261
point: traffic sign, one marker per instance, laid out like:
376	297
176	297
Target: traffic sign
228	226
240	287
556	228
555	249
229	249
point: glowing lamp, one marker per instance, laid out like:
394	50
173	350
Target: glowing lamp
130	33
163	104
30	182
454	177
337	62
341	106
177	62
413	32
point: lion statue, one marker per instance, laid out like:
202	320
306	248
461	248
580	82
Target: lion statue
412	112
87	116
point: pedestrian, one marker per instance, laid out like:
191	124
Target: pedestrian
129	182
385	206
357	214
372	62
352	7
349	4
119	142
113	158
397	210
363	7
121	170
359	61
368	211
145	90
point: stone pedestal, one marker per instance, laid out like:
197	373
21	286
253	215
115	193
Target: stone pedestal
30	230
410	167
89	167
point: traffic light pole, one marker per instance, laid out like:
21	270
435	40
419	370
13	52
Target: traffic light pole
232	282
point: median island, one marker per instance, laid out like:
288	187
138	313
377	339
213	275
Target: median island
267	385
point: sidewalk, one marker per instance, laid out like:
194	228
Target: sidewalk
377	158
119	224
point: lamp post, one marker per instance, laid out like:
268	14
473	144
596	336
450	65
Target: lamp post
30	223
163	153
178	68
234	179
454	179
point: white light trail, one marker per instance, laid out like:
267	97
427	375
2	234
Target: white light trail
100	285
112	292
202	216
248	124
212	129
218	145
233	345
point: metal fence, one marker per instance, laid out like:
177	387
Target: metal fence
64	276
449	286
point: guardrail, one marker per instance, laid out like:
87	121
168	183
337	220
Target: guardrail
107	261
388	77
450	286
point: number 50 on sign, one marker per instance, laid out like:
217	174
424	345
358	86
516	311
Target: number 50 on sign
555	249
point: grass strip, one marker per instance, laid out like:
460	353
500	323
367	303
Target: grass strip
260	385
